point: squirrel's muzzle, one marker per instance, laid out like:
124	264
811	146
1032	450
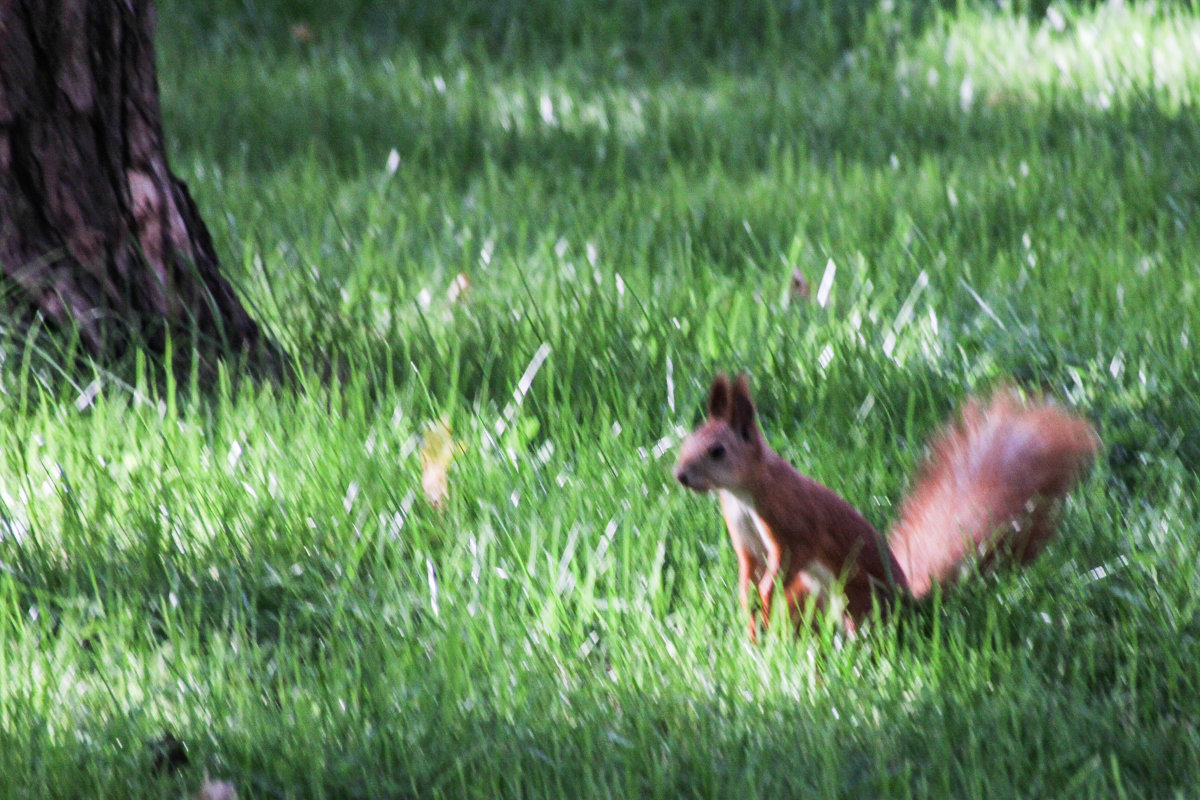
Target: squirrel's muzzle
690	480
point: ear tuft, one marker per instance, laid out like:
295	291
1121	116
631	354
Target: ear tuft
718	398
741	411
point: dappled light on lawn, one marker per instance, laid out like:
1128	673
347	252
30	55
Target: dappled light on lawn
452	560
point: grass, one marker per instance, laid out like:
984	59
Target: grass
988	195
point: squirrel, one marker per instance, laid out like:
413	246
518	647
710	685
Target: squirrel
988	490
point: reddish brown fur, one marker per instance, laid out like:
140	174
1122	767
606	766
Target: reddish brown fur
988	487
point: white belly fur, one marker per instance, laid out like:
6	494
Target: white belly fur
819	579
747	528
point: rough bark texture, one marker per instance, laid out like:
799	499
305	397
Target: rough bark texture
94	228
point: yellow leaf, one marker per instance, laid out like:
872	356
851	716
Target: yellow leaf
437	451
458	288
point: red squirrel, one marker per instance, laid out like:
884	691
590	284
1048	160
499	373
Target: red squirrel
988	489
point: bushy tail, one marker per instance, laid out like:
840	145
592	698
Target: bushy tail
989	488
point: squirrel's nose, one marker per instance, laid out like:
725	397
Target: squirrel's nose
681	476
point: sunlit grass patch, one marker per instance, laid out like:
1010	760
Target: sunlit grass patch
452	561
1112	57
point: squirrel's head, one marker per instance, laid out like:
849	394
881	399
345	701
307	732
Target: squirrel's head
719	453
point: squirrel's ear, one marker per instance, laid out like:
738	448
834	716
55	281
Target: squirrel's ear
741	410
718	398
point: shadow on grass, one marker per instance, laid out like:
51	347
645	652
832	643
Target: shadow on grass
721	89
662	34
737	111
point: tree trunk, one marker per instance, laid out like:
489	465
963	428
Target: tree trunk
94	229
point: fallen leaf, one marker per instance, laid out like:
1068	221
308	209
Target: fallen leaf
437	451
301	32
799	286
458	288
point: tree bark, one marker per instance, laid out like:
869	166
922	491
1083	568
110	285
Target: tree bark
94	229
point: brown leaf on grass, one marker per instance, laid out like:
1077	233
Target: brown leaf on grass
437	451
799	286
301	32
216	790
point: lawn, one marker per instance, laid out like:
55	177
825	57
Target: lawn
513	242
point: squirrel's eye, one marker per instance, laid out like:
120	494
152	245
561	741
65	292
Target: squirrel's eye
717	451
